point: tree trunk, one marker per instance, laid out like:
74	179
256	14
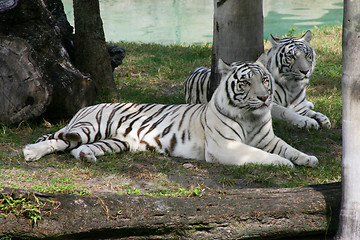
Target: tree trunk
350	208
36	75
238	34
91	55
240	214
24	93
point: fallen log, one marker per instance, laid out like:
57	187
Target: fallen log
286	213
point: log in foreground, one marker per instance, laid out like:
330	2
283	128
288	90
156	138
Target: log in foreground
287	213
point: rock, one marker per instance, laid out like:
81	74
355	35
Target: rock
117	54
188	166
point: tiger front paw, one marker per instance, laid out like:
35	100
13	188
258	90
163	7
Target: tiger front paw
322	120
33	152
307	161
278	160
283	162
30	153
306	122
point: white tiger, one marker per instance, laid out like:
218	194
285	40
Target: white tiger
291	61
235	127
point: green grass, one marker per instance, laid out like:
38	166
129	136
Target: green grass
153	73
21	206
180	192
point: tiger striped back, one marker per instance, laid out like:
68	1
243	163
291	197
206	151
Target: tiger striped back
196	86
235	127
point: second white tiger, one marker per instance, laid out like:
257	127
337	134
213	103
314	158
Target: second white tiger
291	61
235	127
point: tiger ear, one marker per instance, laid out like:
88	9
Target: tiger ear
223	67
274	40
307	36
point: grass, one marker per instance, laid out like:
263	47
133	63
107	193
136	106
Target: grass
21	206
155	73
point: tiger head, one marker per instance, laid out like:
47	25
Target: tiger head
294	57
245	86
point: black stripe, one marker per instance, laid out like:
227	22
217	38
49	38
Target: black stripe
184	114
223	136
154	115
98	118
183	136
155	124
275	146
282	99
232	129
173	143
158	141
297	96
167	130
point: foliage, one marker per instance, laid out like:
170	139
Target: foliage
21	206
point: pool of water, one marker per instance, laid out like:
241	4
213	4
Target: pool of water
191	21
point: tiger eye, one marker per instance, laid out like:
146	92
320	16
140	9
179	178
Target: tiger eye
309	56
244	83
266	81
290	58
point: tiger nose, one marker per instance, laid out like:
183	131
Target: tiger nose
304	71
262	98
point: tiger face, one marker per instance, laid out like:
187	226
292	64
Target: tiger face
248	86
294	56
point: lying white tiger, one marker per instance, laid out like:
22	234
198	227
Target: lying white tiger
235	127
291	61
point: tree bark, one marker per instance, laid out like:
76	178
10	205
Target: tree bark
23	92
238	34
240	214
91	55
37	77
350	208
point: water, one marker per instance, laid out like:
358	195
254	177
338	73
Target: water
191	21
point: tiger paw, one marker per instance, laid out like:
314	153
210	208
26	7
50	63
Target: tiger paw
283	162
84	153
322	120
33	152
307	161
306	122
30	153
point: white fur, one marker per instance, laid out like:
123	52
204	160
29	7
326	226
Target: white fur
233	128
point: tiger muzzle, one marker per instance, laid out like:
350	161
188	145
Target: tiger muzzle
263	98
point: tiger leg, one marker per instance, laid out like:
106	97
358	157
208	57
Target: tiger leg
281	148
289	115
33	152
88	152
44	137
237	153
